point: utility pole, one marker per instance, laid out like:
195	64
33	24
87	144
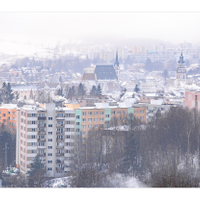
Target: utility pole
5	155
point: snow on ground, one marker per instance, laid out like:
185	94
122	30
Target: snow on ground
58	182
118	180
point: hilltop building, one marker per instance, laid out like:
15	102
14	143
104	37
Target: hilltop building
181	70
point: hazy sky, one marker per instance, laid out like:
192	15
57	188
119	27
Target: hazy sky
172	27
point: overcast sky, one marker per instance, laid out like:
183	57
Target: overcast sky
130	23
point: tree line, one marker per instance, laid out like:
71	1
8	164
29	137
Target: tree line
161	153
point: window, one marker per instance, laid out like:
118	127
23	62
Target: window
68	122
67	143
8	118
68	129
33	122
89	113
84	113
33	136
89	126
41	143
33	151
68	136
107	115
84	127
41	115
12	113
195	97
125	112
49	161
33	143
136	111
4	115
95	113
49	147
78	117
49	140
101	112
77	123
49	133
33	115
96	119
68	114
49	169
89	119
141	111
67	151
101	119
113	112
119	112
13	118
49	154
33	129
8	112
95	126
50	125
77	130
83	132
67	158
84	120
141	118
50	118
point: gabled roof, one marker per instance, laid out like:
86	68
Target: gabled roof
105	72
88	76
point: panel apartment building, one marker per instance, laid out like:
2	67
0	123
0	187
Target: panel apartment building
50	132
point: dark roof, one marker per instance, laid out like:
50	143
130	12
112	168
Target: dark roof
105	72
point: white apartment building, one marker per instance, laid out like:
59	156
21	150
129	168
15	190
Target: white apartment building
49	133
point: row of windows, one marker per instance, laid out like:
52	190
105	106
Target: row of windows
95	113
9	113
9	118
90	126
119	112
141	111
90	120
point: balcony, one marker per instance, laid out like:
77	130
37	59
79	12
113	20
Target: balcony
41	154
59	140
59	147
60	125
41	133
41	147
41	125
41	118
59	154
59	168
59	161
60	117
41	140
59	133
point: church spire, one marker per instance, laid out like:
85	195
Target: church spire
116	60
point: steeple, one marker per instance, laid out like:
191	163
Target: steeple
116	60
181	61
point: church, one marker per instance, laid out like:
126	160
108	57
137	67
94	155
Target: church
105	75
181	70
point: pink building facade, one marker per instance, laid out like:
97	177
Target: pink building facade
192	99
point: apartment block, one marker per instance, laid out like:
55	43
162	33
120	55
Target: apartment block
8	116
192	99
49	133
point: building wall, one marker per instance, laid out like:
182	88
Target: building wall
8	116
192	99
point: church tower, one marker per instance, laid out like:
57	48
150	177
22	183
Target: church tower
116	65
181	70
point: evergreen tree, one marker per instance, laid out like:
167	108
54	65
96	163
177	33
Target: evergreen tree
99	91
129	161
137	89
93	91
60	79
6	93
81	90
36	172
